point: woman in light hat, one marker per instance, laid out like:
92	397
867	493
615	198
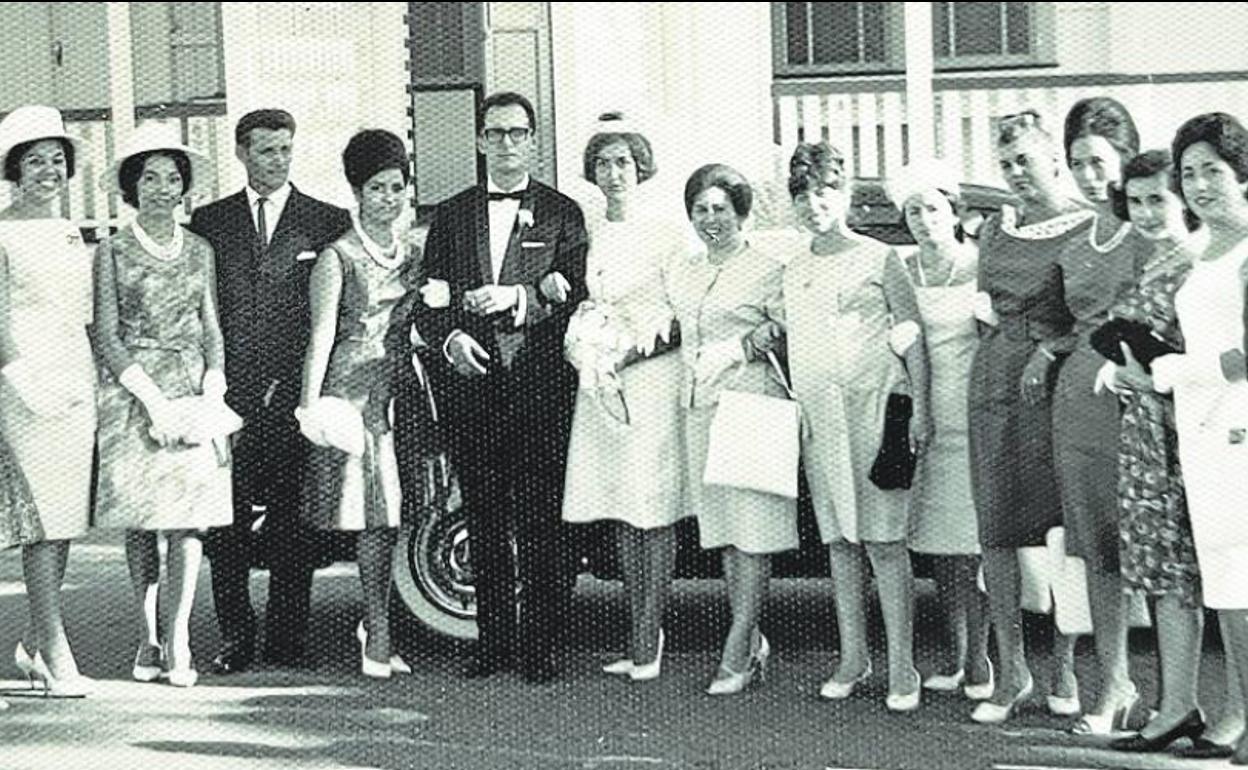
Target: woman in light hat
47	374
163	468
942	522
362	290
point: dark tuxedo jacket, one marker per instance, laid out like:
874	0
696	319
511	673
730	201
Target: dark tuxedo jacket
263	297
540	384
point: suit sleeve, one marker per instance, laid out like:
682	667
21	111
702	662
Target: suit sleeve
570	262
434	324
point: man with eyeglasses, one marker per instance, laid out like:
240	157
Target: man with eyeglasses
507	390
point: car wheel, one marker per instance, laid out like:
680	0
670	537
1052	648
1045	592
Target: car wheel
433	571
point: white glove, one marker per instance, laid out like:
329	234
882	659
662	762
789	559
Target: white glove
1106	377
717	357
982	309
1168	370
45	397
164	425
436	294
902	336
213	385
333	422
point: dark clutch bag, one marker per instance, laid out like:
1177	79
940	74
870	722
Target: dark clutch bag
894	463
1145	345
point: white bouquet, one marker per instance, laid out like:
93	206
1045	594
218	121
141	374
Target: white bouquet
597	342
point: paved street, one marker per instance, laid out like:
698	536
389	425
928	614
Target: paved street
328	716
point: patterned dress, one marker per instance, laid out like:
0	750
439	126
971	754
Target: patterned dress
838	312
342	491
142	485
1156	552
50	307
624	469
19	521
715	303
1016	498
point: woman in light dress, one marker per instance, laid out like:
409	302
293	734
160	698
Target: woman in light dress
47	374
164	470
1210	393
728	302
942	516
362	289
841	297
627	431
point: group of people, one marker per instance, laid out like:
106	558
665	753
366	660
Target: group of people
261	362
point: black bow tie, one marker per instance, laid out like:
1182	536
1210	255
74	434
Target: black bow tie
515	195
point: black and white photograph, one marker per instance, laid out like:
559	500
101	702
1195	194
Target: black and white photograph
623	386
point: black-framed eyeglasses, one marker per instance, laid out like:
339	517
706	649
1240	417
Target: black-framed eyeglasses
495	135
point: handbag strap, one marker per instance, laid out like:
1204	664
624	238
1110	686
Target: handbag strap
777	374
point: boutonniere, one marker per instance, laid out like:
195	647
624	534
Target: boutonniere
73	239
525	217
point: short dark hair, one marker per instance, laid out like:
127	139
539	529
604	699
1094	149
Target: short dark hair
506	99
1147	164
1104	117
638	145
816	165
1223	133
132	169
13	159
1011	128
725	178
271	120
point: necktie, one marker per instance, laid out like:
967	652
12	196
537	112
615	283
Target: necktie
516	195
262	224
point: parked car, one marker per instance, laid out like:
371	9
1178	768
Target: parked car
433	563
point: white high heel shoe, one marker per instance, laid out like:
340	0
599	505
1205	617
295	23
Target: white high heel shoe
834	690
144	670
906	701
994	714
368	666
648	671
24	663
77	686
728	682
179	676
982	691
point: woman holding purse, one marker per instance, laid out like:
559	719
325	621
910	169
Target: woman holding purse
163	468
842	298
362	289
727	300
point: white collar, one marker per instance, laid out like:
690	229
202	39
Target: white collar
1113	242
491	187
277	197
1052	227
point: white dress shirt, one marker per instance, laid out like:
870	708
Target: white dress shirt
272	210
502	222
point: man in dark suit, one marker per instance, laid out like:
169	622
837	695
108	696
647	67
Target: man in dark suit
266	238
508	390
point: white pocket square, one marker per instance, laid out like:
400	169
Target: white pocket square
304	256
533	244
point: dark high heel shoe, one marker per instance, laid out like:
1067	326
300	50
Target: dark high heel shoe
1191	726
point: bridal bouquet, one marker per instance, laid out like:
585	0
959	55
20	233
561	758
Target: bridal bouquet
597	342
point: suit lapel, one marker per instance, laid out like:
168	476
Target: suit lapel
514	249
480	222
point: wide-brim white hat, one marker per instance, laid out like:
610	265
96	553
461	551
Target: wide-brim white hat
154	137
922	176
32	123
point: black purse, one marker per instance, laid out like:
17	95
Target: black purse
1145	344
894	464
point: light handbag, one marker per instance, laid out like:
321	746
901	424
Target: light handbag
755	440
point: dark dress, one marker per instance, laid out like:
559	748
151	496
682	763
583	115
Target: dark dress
1086	424
1012	477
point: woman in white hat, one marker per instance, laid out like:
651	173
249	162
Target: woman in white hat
164	466
942	523
47	374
